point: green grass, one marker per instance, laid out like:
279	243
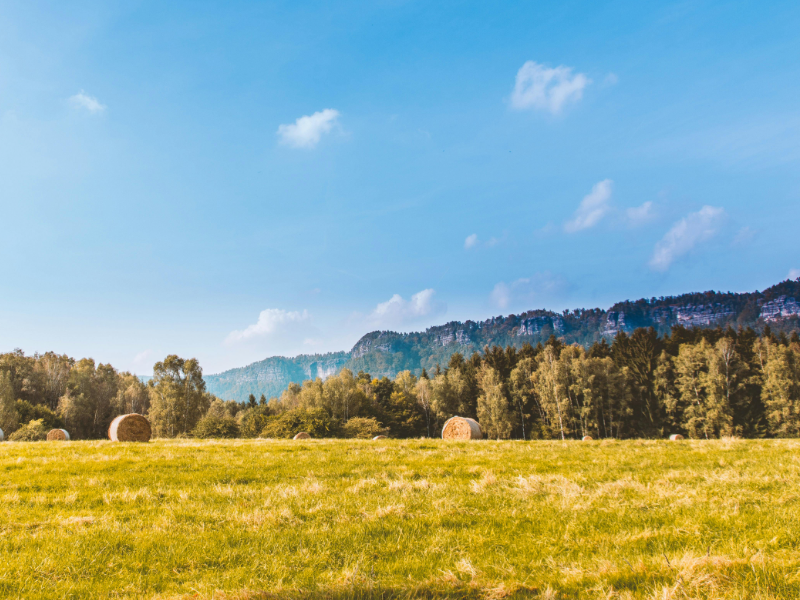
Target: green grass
423	518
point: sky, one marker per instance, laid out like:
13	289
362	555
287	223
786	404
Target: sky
236	180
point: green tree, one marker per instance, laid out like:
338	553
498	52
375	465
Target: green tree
9	417
691	367
87	405
423	393
177	396
132	396
495	411
781	389
522	393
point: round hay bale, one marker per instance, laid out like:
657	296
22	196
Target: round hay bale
378	437
58	435
2	435
675	437
302	436
587	438
461	428
130	428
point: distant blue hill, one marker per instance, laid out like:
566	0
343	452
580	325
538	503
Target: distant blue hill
387	352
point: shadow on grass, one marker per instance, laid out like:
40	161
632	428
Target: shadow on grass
412	593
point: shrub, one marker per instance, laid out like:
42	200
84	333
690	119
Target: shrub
38	412
364	428
35	431
212	426
253	420
316	422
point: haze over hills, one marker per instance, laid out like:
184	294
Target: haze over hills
387	353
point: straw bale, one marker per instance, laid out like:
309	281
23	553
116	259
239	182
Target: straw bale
58	435
675	437
130	428
461	428
302	436
587	438
378	437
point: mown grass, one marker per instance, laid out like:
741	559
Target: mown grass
423	518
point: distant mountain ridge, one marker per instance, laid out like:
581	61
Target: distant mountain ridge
386	353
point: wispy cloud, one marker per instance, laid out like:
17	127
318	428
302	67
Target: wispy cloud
685	235
526	290
610	79
306	131
270	321
592	209
744	236
82	100
397	311
542	88
640	215
472	241
142	357
794	273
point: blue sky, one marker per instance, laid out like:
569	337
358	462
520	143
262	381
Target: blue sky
235	180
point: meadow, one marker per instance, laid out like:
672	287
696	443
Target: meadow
247	519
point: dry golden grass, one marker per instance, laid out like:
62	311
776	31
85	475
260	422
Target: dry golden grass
406	519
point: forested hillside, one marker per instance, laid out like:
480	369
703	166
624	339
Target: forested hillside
386	353
699	381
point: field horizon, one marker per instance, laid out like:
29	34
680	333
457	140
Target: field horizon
419	518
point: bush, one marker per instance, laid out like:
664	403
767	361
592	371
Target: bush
38	412
253	420
35	431
212	426
364	429
316	422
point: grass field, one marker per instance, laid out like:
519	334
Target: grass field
423	518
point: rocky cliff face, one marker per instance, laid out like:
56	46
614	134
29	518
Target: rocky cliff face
385	353
272	375
780	308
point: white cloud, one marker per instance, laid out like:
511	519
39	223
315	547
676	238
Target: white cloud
142	357
639	215
548	89
684	235
593	207
472	241
397	311
526	290
90	103
610	79
269	322
744	236
501	295
306	131
794	273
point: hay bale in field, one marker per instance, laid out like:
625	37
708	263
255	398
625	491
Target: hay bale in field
675	437
302	436
58	435
378	437
587	438
2	435
130	428
461	428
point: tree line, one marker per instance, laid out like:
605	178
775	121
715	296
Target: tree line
702	383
